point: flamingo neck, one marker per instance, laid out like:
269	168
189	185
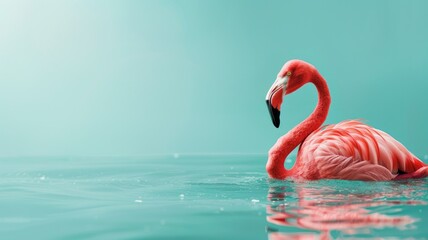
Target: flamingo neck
285	144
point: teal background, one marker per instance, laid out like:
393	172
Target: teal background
160	77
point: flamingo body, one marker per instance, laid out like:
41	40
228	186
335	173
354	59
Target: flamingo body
348	150
354	151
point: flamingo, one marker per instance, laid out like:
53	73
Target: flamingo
349	150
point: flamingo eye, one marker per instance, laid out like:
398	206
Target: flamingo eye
288	74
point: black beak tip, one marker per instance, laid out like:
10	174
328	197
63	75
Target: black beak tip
276	124
274	114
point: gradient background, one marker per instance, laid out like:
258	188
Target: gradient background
161	77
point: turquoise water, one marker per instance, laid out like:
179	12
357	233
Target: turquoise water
197	197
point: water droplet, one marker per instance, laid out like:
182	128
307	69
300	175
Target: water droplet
181	196
139	200
254	201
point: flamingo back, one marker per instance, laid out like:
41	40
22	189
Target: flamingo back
353	150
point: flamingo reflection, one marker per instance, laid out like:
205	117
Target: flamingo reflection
323	209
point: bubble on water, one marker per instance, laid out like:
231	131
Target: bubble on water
43	178
254	201
181	196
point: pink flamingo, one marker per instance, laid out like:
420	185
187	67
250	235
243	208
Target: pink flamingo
348	150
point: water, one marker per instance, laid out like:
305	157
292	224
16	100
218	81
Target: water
197	197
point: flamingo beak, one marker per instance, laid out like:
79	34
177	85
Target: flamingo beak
274	99
274	114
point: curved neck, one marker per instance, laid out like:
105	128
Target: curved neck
285	144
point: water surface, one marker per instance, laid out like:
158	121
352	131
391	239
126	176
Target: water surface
197	197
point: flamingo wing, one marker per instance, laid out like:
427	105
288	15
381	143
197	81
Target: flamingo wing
355	151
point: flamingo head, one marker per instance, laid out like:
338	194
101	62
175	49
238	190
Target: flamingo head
293	75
